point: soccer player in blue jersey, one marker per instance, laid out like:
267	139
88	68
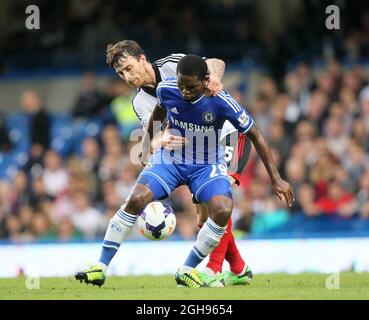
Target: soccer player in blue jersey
131	64
199	164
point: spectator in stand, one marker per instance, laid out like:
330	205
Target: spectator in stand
42	227
5	143
86	218
55	177
121	108
13	227
278	139
337	201
67	231
364	105
40	122
5	195
34	164
38	193
317	108
242	212
91	101
326	83
261	111
21	193
91	155
115	156
335	136
269	89
3	229
360	133
83	179
355	161
126	181
295	172
111	199
322	170
305	200
271	215
347	98
25	216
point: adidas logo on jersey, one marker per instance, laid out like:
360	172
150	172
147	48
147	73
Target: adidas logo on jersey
174	110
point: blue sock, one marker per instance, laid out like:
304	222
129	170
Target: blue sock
207	239
108	251
119	227
194	258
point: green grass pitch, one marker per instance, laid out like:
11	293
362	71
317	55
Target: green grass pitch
271	286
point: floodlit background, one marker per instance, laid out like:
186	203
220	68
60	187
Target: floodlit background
66	119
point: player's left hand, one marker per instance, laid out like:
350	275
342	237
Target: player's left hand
232	180
213	87
283	191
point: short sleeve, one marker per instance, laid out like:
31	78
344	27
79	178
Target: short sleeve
234	113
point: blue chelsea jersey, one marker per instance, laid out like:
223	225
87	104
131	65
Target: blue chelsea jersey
200	121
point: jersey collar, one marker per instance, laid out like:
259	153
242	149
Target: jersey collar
149	90
197	100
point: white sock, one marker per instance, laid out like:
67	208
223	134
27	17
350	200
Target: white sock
210	272
209	237
119	228
103	266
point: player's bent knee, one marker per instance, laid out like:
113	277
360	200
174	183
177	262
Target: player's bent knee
139	198
221	216
136	203
220	211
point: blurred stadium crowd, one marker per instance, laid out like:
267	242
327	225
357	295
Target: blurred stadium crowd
62	176
78	171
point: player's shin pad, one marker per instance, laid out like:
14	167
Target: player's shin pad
119	227
209	237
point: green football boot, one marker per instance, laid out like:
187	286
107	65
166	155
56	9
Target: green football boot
232	279
191	279
215	281
93	275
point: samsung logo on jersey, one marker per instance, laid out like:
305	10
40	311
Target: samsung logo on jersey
191	126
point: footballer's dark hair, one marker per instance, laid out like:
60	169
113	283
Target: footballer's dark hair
193	65
122	49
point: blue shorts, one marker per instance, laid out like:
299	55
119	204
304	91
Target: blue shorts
162	176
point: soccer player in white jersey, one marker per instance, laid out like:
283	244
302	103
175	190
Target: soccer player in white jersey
131	64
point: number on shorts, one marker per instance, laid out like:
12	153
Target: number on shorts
217	170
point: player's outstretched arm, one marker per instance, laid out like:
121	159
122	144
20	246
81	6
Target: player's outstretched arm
216	68
281	188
